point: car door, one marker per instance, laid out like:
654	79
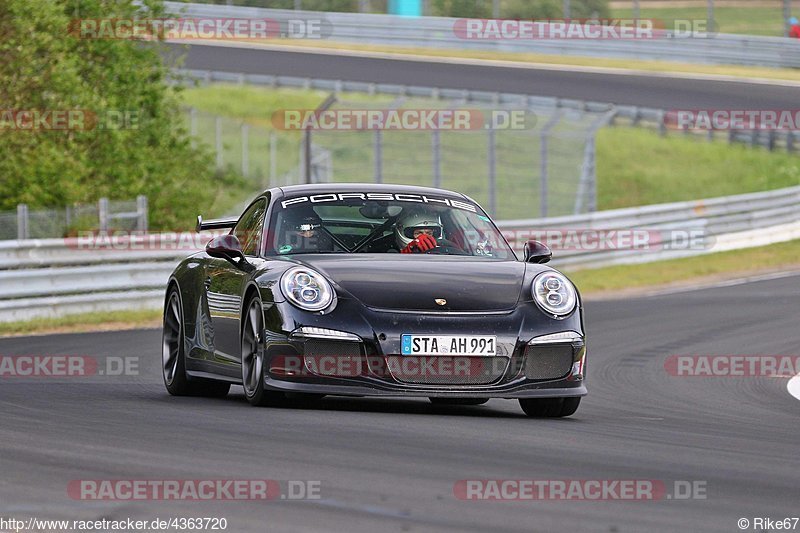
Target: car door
225	284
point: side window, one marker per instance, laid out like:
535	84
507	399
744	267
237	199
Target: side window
249	228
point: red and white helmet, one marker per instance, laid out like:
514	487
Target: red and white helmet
404	228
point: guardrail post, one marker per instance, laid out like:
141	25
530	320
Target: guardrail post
141	213
790	141
436	150
491	157
102	213
218	140
378	154
245	150
22	222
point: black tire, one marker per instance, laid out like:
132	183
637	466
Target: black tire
550	407
253	356
458	401
173	363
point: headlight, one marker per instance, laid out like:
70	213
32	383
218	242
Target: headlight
306	289
554	293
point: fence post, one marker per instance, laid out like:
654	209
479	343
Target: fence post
567	9
636	10
495	9
378	152
141	213
245	150
787	13
543	174
218	140
436	150
193	126
22	222
710	15
307	156
102	213
492	171
543	141
273	163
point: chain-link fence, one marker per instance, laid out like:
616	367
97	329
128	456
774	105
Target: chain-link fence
105	215
518	162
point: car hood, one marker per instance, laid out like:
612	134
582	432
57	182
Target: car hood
414	283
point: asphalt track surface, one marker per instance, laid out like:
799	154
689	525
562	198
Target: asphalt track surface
641	90
391	465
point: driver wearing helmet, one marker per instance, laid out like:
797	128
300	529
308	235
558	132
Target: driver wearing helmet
303	233
418	232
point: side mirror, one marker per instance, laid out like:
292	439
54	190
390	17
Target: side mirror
537	252
225	247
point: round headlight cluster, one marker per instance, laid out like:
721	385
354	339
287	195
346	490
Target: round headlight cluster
306	289
554	293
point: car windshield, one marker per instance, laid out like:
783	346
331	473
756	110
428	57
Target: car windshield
383	223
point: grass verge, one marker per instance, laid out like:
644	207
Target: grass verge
100	321
686	271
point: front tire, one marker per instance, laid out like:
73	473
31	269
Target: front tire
173	360
550	407
253	357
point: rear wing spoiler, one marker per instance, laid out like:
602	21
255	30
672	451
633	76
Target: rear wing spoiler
220	223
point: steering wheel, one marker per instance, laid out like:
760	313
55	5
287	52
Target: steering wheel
445	247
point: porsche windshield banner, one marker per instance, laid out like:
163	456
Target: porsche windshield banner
378	196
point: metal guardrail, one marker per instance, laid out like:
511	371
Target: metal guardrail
57	277
657	119
440	32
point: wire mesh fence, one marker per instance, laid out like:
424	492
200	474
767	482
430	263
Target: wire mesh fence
105	215
538	166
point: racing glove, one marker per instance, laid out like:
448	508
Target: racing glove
423	243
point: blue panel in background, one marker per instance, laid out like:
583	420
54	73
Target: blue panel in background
408	8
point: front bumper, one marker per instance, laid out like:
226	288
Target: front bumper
534	361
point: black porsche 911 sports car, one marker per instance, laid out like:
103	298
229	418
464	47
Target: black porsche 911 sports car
372	290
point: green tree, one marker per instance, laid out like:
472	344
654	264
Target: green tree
46	68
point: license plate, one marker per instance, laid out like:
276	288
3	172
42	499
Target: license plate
448	345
